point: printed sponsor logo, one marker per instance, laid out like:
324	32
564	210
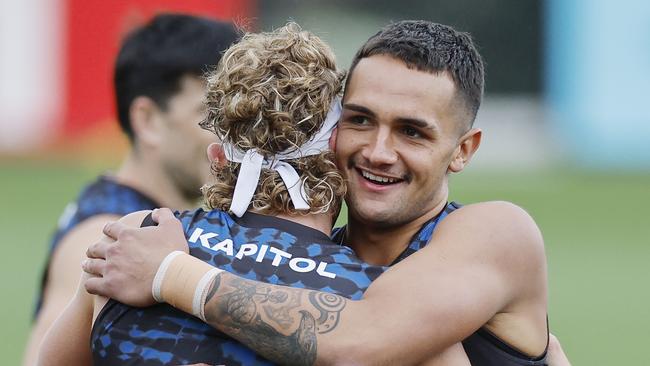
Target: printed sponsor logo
297	264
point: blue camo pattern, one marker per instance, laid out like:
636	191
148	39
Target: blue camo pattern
103	196
161	335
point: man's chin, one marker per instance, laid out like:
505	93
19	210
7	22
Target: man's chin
374	216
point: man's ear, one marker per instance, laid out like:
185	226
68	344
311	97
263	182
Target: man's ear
333	138
216	155
468	145
143	113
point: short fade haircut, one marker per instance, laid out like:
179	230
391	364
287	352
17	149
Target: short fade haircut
154	58
435	48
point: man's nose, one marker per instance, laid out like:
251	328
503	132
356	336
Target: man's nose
381	149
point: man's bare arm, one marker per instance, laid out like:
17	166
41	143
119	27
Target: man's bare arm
435	298
63	278
67	342
430	301
556	355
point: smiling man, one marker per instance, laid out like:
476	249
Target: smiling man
402	131
475	275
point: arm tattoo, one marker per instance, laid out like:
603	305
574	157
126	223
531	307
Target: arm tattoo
262	316
281	314
330	307
213	289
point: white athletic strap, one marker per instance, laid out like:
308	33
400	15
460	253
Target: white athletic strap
156	286
201	292
183	282
253	162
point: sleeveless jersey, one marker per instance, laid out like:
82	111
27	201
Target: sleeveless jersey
418	241
486	349
256	247
104	196
482	348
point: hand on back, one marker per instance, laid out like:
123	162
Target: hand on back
124	262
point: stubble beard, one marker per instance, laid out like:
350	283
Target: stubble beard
187	184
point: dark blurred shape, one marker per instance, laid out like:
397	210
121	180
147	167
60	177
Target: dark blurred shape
508	32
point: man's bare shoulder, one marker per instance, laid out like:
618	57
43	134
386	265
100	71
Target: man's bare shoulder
134	219
496	234
73	245
499	222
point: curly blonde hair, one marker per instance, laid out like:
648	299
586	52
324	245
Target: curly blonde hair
271	92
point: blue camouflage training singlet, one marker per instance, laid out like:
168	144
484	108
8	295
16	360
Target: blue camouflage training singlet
256	247
104	196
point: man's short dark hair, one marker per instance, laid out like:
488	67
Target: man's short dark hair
154	58
431	47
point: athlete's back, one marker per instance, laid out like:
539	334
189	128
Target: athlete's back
253	246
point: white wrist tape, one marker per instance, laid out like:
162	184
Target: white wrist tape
160	275
201	292
182	281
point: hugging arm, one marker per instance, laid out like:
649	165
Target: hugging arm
67	342
62	280
482	259
420	307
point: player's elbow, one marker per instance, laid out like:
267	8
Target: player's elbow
359	353
349	353
358	347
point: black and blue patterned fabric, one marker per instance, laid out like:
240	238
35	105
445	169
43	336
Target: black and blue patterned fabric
255	247
104	196
482	347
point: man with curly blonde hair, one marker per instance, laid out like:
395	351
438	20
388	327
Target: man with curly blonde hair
268	98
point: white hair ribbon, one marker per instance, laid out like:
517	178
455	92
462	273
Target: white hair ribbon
252	163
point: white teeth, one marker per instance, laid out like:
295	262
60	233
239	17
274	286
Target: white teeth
377	178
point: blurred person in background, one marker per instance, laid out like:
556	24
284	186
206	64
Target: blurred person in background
410	101
159	94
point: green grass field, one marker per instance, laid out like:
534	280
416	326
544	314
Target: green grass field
596	228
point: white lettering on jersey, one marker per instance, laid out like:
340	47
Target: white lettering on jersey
293	264
198	235
225	246
297	264
262	253
279	254
246	250
322	270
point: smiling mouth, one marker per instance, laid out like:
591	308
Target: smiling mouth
376	179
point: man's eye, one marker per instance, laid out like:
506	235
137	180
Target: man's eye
358	120
411	132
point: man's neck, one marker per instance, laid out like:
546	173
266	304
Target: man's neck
380	244
321	222
149	179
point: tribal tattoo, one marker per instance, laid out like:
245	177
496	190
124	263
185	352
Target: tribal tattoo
278	322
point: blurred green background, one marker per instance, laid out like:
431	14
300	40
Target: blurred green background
595	227
568	145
